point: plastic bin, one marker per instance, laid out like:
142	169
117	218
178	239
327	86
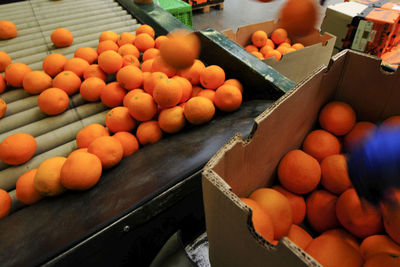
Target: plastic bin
181	10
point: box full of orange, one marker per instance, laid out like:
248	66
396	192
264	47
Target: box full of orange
316	49
252	208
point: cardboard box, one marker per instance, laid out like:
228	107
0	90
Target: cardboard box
295	65
242	166
361	27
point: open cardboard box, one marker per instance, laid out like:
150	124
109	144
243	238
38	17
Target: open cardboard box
296	65
242	166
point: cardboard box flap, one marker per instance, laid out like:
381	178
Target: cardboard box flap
229	34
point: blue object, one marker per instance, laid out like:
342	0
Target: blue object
374	166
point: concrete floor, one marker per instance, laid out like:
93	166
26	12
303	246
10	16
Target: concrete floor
242	12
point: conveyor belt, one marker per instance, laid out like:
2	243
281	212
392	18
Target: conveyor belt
35	20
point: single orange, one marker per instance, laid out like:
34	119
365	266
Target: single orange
196	90
236	83
375	244
15	73
110	61
119	120
172	120
53	64
299	236
87	53
199	110
126	38
61	37
298	172
167	93
148	132
5	203
53	101
8	30
144	41
25	189
335	177
67	81
128	49
147	65
383	259
297	46
320	144
36	82
142	107
108	149
264	50
193	73
159	40
208	93
47	178
90	132
251	48
279	35
5	60
360	131
108	35
128	141
257	55
129	95
130	60
159	65
259	38
337	117
112	95
228	98
150	53
272	53
212	77
146	29
81	171
76	65
91	88
17	148
346	236
391	121
150	83
130	77
94	70
186	88
297	203
391	214
106	46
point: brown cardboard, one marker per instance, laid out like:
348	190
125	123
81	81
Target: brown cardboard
295	65
242	166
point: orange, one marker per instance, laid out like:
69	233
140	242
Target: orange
391	215
362	219
333	251
297	46
130	77
171	120
335	177
262	222
126	38
150	83
251	48
146	29
36	81
144	41
128	49
299	236
360	131
2	84
108	149
130	60
208	93
159	65
337	117
297	203
3	108
159	40
259	38
17	148
142	107
320	144
110	61
236	83
264	50
76	65
277	206
107	45
84	149
282	48
53	64
273	53
81	171
47	178
376	244
270	43
180	49
61	37
148	132
25	188
383	259
196	90
147	65
108	35
87	53
94	70
67	81
128	141
391	121
257	54
91	88
321	210
186	88
53	101
199	110
298	17
8	30
193	73
15	73
167	93
5	203
5	60
279	36
288	50
212	77
129	95
90	132
346	236
298	172
112	95
228	98
150	53
118	120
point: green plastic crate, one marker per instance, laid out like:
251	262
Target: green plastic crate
181	10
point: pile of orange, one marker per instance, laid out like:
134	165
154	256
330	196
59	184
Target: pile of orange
277	44
150	86
315	205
